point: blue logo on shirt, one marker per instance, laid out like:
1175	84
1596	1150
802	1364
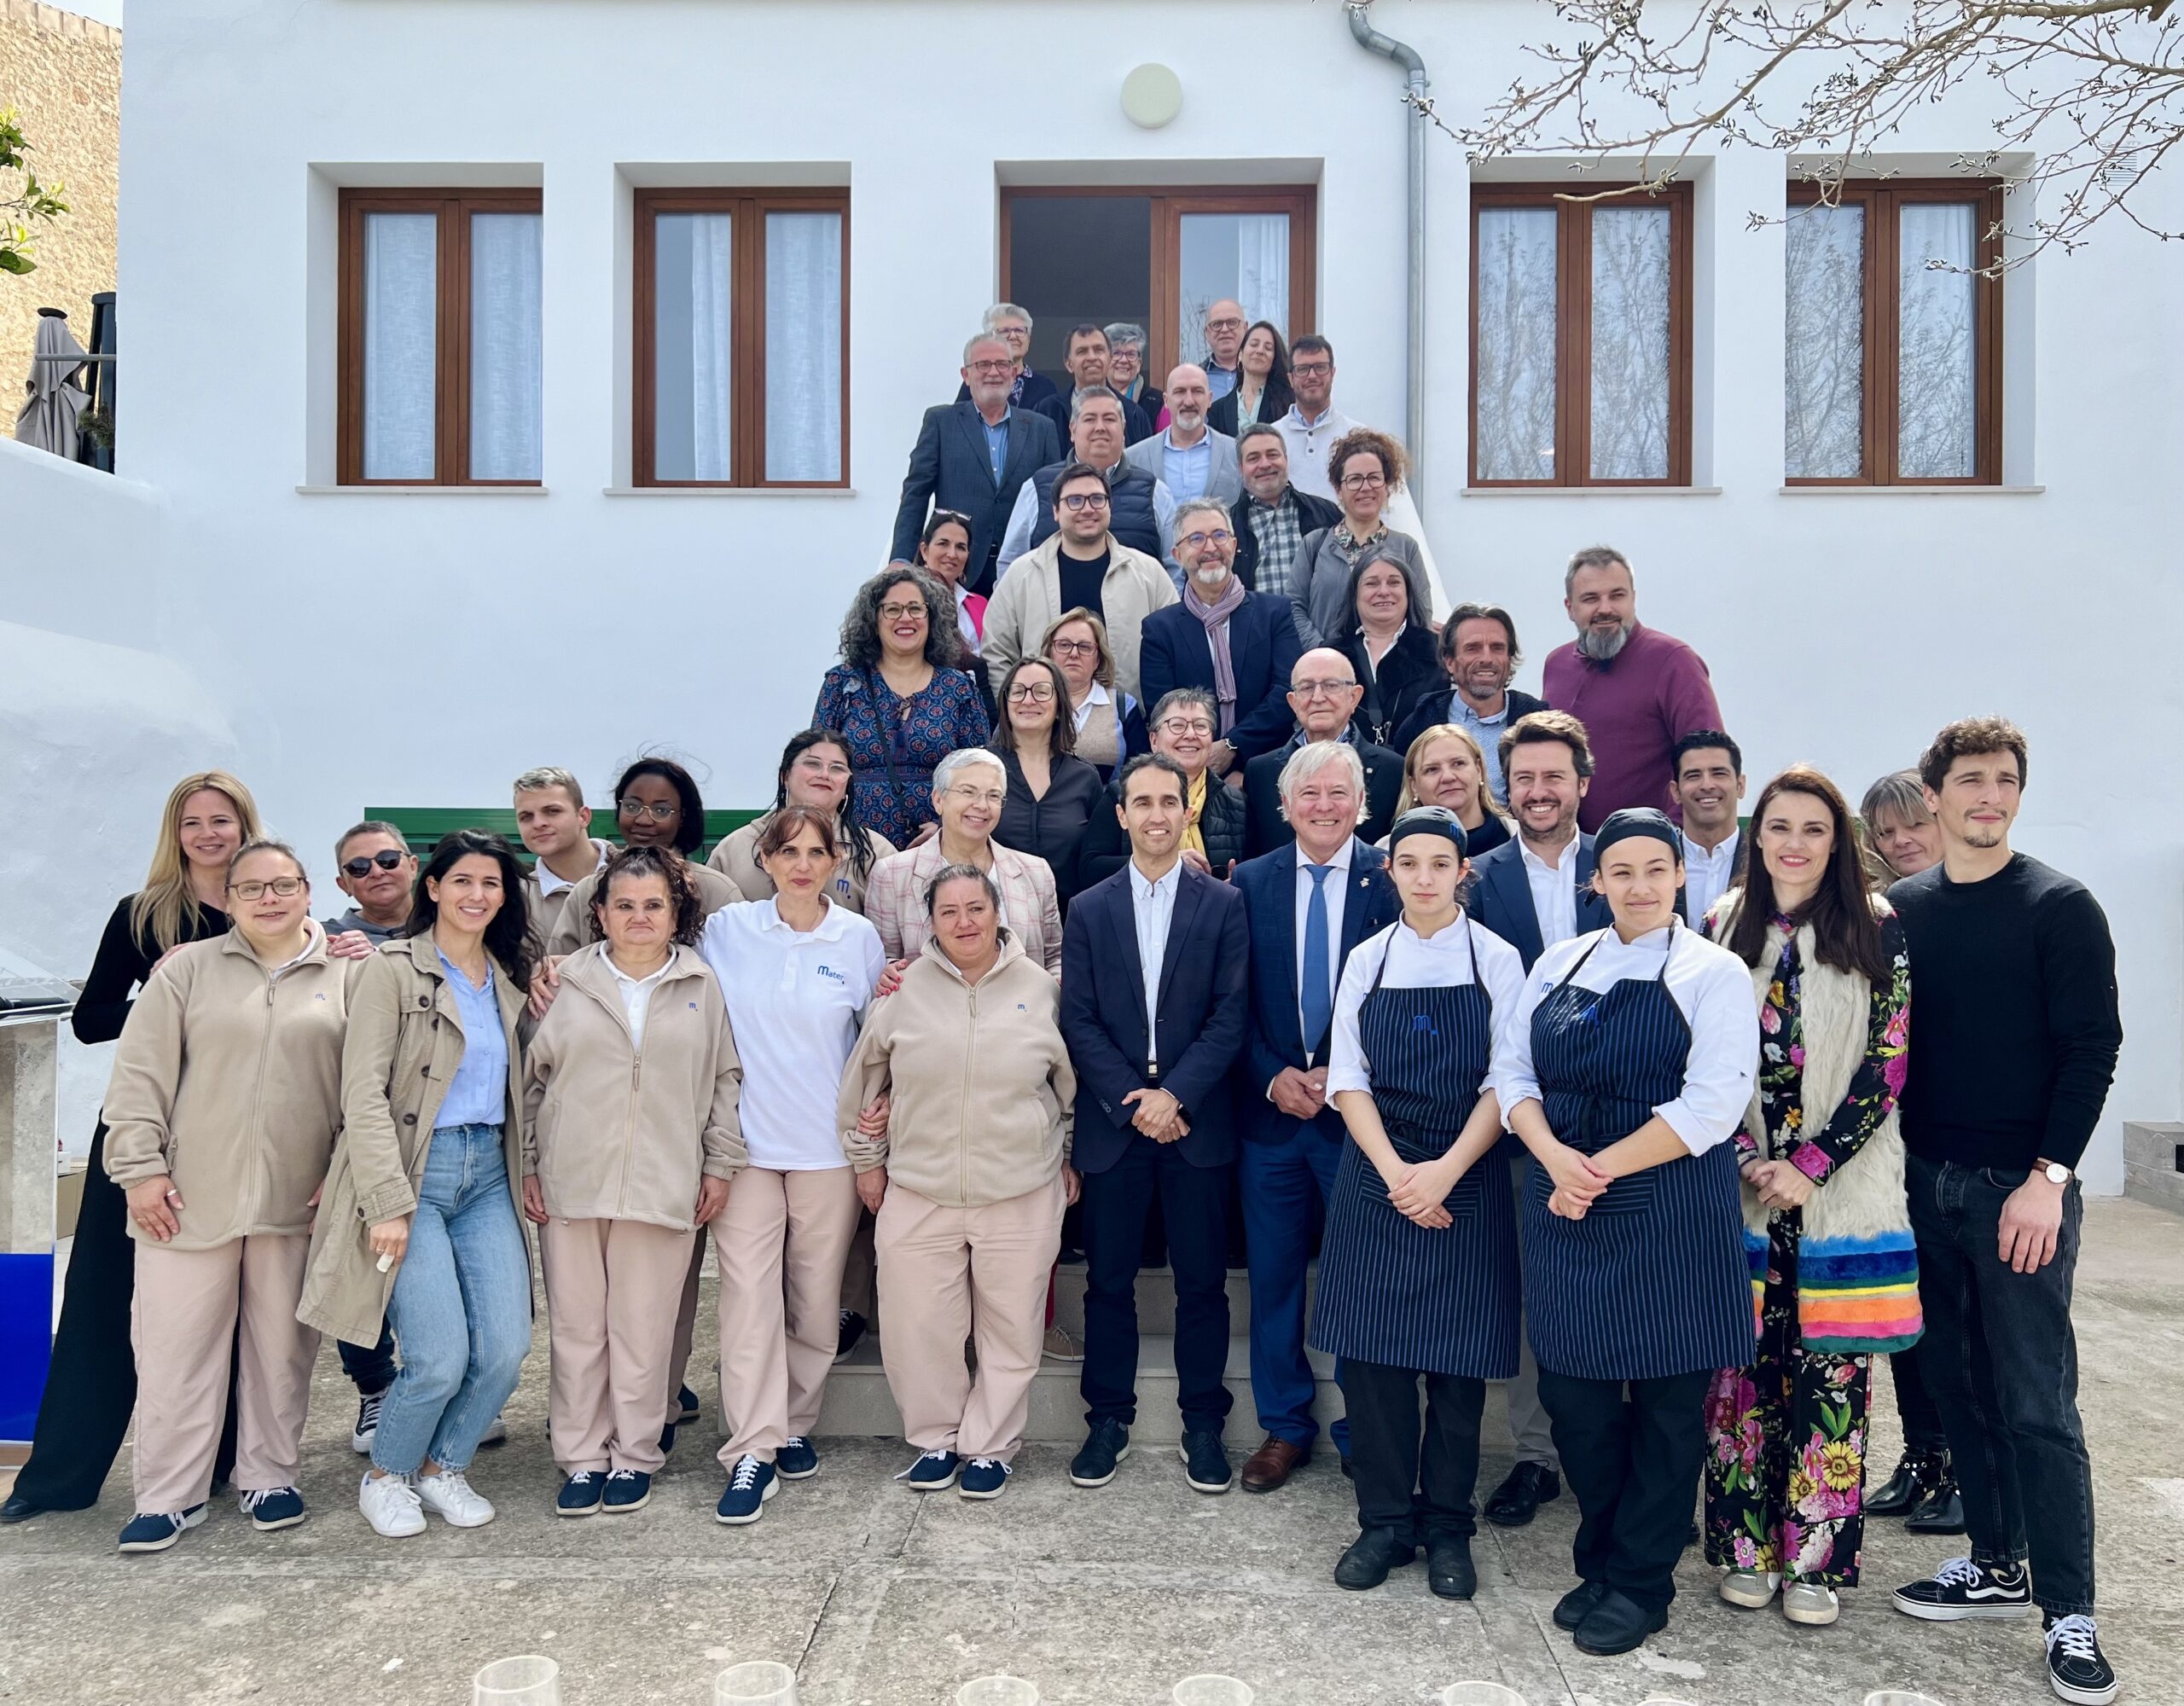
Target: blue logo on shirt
829	971
693	1007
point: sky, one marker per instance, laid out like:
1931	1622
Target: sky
106	11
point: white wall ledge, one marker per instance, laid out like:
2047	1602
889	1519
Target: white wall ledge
728	491
1592	491
1910	490
421	491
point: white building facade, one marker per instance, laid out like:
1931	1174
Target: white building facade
409	643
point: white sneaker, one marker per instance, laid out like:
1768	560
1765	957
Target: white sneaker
390	1504
449	1496
496	1431
1812	1603
1751	1588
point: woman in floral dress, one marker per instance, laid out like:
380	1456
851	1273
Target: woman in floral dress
1835	1273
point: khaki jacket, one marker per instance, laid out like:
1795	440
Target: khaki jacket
406	1041
544	910
737	858
613	1132
572	927
895	901
1028	599
229	1078
981	1084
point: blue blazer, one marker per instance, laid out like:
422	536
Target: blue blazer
949	469
1174	652
1202	1012
1502	898
1269	886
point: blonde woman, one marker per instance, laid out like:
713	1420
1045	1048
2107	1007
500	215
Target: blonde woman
1109	725
90	1388
225	1097
1445	767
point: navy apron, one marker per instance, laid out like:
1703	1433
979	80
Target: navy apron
1390	1290
1653	1281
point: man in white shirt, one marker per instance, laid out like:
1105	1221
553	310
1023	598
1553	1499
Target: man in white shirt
1313	422
1706	781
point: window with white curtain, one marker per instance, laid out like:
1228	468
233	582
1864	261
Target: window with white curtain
1581	333
742	337
441	374
1892	344
1243	257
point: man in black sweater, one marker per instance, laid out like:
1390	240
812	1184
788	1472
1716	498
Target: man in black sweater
2014	1044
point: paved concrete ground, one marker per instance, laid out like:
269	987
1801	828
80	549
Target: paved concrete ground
882	1597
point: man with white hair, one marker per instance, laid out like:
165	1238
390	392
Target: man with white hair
973	457
1225	325
1308	903
1189	457
1027	389
1323	697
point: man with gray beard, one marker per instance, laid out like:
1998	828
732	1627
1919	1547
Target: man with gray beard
1637	690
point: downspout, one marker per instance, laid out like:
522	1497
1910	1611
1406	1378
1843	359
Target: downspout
1416	85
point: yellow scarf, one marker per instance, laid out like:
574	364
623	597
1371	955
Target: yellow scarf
1194	842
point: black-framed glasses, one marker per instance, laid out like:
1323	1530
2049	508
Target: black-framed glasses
1310	369
1076	501
388	859
1039	692
1199	542
283	886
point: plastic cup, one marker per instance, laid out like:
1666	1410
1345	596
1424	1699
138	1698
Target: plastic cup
997	1691
1480	1694
528	1680
759	1683
1900	1696
1213	1690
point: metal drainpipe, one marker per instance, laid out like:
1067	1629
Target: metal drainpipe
1415	369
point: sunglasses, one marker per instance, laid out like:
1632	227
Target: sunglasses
388	859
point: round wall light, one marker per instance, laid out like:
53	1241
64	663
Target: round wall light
1151	96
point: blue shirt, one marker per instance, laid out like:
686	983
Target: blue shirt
1219	381
478	1095
1487	731
996	442
1185	473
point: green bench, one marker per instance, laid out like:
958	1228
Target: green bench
422	826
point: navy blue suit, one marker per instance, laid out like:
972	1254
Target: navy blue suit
1502	898
1288	1165
1174	652
950	469
1198	1022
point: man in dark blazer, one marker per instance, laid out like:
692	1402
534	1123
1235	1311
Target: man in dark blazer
1175	643
1292	1139
1272	513
953	464
1323	696
1153	1008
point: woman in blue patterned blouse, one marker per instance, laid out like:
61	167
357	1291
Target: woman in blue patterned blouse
901	698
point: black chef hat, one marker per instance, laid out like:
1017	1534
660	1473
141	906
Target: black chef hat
1431	820
1634	820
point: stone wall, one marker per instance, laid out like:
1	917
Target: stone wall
62	73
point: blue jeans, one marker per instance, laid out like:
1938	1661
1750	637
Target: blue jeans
460	1309
1286	1188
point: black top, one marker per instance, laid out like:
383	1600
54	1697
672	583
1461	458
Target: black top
124	961
1410	671
1105	848
1051	827
2014	1027
1081	579
1493	831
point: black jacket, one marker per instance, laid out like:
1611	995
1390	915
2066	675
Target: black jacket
1409	672
1106	847
1312	514
1434	707
1221	417
949	470
1265	828
1051	827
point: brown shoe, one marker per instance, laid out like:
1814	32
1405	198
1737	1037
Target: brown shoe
1271	1465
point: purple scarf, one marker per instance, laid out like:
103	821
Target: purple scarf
1216	617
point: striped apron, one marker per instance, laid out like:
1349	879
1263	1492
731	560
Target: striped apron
1653	1280
1391	1292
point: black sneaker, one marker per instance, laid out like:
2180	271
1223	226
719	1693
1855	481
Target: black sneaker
1917	1474
157	1530
367	1429
1205	1462
2077	1669
1963	1588
1106	1445
580	1493
627	1491
686	1405
1940	1512
852	1328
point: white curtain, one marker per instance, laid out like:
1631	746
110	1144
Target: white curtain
1935	401
804	346
1824	343
401	310
694	275
1629	381
1516	319
507	394
1242	256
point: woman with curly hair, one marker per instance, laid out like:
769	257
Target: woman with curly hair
630	1137
1367	468
901	698
1834	1272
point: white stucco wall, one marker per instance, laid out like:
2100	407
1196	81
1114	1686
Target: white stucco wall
386	649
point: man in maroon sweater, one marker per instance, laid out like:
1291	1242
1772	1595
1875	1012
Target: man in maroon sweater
1637	690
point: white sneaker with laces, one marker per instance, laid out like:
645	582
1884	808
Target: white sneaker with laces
496	1432
390	1504
452	1498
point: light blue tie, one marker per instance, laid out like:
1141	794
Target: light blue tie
1314	1001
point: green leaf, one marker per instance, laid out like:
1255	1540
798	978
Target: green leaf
11	261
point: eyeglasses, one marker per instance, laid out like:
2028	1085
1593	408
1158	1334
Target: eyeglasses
1039	692
965	794
1224	325
1310	369
1184	725
388	859
283	886
1317	689
1199	542
1084	500
1076	648
658	810
1363	482
901	612
993	367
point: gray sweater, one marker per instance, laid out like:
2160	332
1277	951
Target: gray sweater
1321	581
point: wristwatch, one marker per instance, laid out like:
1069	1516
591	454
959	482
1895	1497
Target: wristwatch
2057	1172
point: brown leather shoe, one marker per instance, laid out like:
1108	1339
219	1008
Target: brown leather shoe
1271	1465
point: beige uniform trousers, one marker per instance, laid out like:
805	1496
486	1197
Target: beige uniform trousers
957	1272
780	1242
610	1287
196	1310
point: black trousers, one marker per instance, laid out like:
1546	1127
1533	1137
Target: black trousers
1914	1403
1418	1496
371	1366
1195	1202
90	1388
1631	1452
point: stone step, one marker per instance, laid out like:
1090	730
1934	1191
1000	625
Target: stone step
2151	1173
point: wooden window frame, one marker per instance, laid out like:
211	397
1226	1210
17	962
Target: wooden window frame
747	209
1170	203
1878	401
450	330
1573	319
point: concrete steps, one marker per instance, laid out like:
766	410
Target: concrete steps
2153	1163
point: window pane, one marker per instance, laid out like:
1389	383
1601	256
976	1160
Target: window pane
1630	343
1075	259
804	346
694	256
1823	427
1934	435
505	393
401	315
1242	256
1516	343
